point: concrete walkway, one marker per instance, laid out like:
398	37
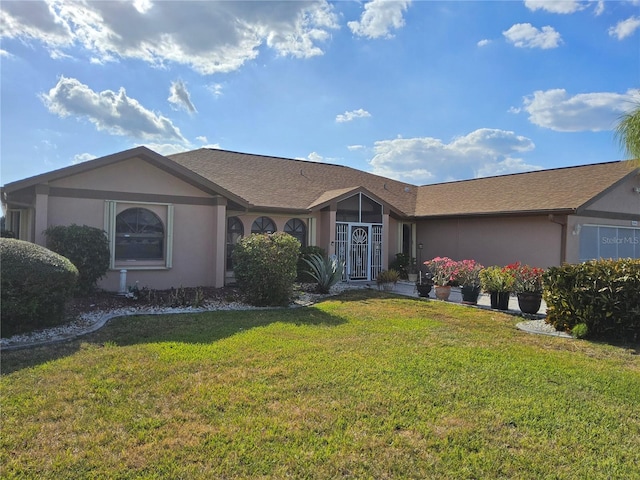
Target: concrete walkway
484	300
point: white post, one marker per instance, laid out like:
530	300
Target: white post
123	282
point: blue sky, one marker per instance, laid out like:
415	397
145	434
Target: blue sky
421	91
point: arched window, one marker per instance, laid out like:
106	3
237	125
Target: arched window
263	225
139	235
297	229
235	231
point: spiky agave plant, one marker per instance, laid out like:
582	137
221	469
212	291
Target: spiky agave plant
326	271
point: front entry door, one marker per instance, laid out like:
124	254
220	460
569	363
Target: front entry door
359	242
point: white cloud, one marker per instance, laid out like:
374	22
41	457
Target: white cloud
484	42
109	111
427	160
202	139
525	35
82	157
180	96
379	17
625	28
354	148
352	115
219	37
165	148
555	110
599	8
215	89
555	6
315	157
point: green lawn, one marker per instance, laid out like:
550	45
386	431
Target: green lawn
364	385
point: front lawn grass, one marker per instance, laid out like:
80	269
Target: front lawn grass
365	385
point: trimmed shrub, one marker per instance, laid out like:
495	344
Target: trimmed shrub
326	272
302	267
603	295
35	283
86	247
265	267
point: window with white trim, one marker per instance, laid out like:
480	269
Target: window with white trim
140	234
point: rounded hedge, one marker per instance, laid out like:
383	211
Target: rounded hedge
265	267
35	285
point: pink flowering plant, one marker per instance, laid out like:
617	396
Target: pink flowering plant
442	269
467	273
527	279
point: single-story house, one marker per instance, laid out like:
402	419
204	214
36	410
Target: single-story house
173	220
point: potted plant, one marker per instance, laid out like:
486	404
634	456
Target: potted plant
442	271
424	284
468	277
387	279
498	282
528	287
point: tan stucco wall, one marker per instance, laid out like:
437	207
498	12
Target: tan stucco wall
533	240
133	175
622	199
198	230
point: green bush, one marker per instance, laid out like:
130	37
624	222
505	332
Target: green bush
35	283
265	267
302	267
387	276
326	272
601	294
402	264
86	247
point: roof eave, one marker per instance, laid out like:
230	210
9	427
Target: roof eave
500	213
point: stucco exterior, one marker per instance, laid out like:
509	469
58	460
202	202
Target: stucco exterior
495	221
535	240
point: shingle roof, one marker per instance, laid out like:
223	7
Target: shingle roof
281	183
561	189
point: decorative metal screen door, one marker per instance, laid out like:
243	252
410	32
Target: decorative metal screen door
359	253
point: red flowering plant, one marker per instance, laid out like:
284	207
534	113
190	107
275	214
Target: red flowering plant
527	279
467	273
443	270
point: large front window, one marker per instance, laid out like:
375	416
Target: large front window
139	235
604	241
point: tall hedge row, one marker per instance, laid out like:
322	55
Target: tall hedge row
603	295
35	285
265	267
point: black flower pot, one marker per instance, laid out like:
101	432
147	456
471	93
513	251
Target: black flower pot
423	289
500	300
529	302
470	294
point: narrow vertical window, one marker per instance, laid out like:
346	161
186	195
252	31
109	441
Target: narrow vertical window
235	231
